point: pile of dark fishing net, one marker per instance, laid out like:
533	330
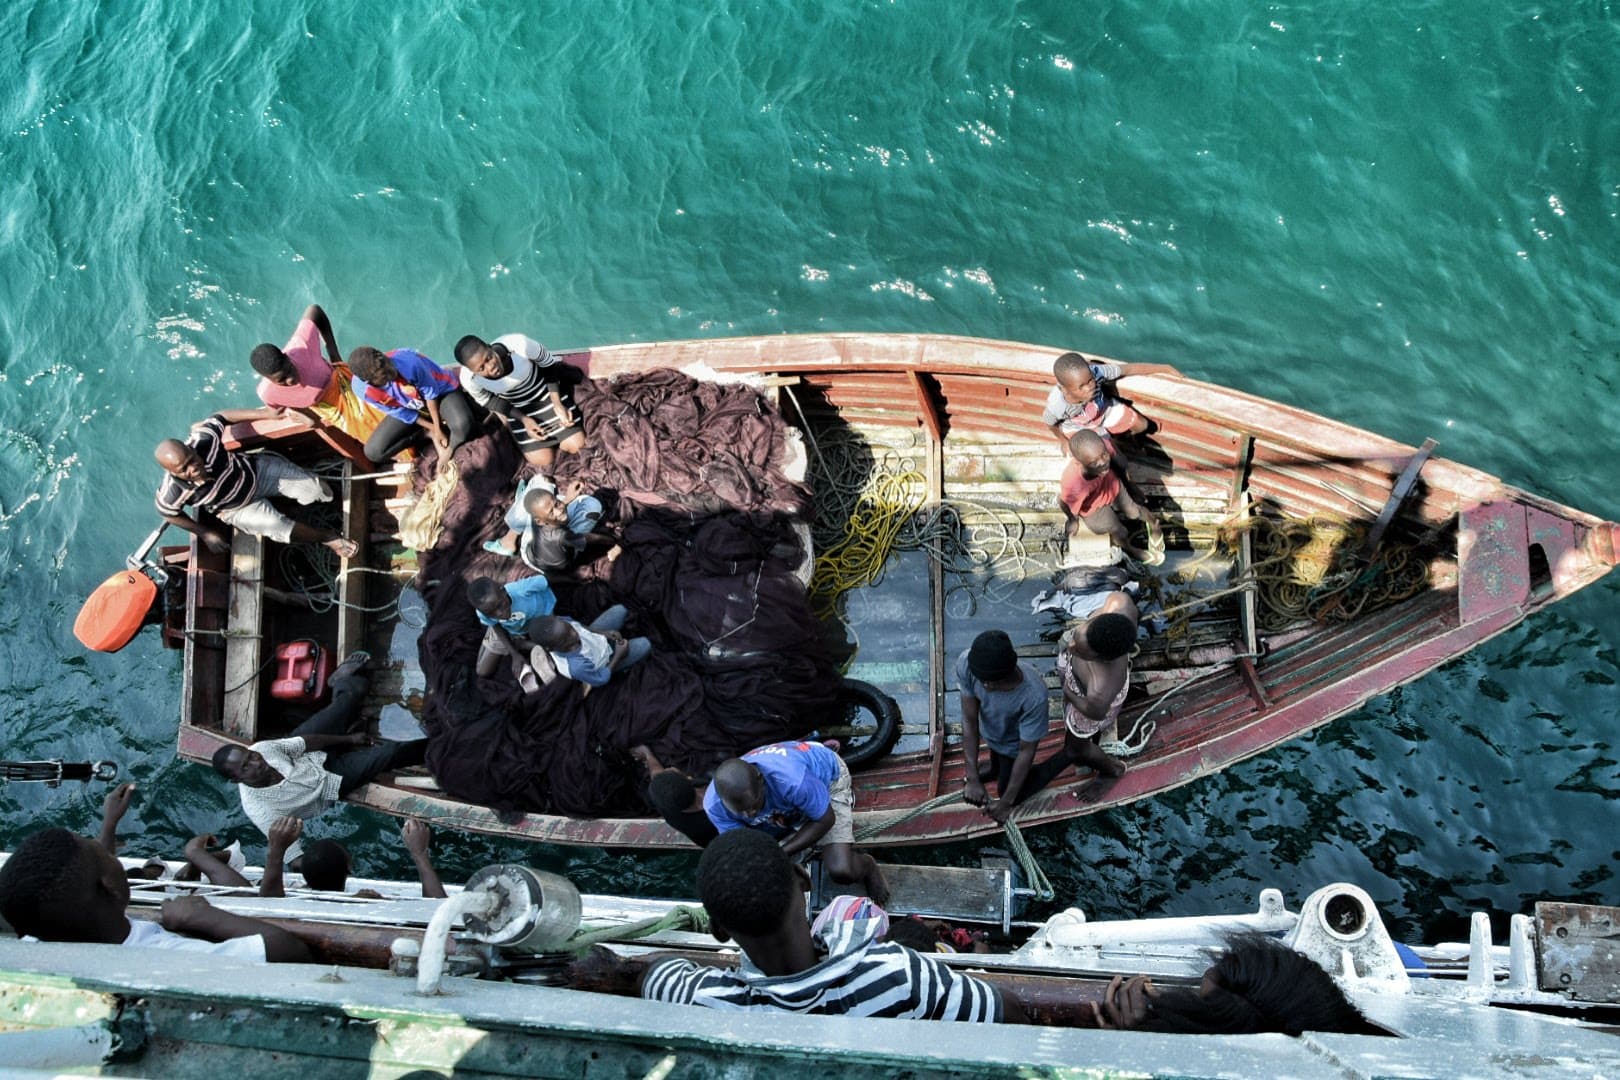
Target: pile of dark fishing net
690	475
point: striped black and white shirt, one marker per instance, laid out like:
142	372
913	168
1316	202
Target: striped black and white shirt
231	479
527	387
859	977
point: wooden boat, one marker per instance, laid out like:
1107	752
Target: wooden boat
967	413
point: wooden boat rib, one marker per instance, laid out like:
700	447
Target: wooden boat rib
971	410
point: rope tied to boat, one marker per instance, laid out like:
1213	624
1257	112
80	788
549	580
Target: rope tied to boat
679	917
1303	569
1039	884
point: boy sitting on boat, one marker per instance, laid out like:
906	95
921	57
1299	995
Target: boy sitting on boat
296	378
517	379
57	886
414	396
549	530
1079	403
754	894
507	612
590	654
237	488
800	793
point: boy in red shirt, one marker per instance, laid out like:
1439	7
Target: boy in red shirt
1092	495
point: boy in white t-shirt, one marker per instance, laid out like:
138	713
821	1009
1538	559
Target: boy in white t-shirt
57	886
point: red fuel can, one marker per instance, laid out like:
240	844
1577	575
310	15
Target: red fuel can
302	671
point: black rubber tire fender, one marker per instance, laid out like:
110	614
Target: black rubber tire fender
870	750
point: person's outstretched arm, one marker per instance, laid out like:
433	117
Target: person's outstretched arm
317	315
283	834
1147	369
808	834
418	838
217	541
213	868
195	917
972	786
602	971
1001	807
112	811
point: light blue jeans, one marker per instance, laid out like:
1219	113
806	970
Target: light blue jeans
636	649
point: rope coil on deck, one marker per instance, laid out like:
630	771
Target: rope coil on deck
870	505
1303	569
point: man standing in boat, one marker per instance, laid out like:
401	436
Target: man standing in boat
516	378
296	378
237	488
800	793
1003	700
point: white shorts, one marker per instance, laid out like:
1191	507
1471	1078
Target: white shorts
278	477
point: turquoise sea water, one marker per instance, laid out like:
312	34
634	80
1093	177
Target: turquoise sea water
1405	216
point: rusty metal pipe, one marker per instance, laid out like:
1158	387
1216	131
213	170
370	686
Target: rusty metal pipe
1049	1000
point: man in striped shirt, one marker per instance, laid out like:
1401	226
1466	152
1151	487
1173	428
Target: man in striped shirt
237	488
754	894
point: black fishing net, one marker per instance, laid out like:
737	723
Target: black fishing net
691	478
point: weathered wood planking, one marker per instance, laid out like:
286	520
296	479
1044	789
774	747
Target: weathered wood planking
244	640
351	581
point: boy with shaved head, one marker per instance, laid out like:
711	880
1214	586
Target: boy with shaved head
1093	495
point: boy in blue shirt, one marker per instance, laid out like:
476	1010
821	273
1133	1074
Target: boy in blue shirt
800	793
413	394
508	610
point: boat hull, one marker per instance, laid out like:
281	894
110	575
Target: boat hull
973	408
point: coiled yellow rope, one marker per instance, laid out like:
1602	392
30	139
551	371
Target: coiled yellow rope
871	503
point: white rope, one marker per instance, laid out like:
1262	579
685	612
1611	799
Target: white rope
1134	741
